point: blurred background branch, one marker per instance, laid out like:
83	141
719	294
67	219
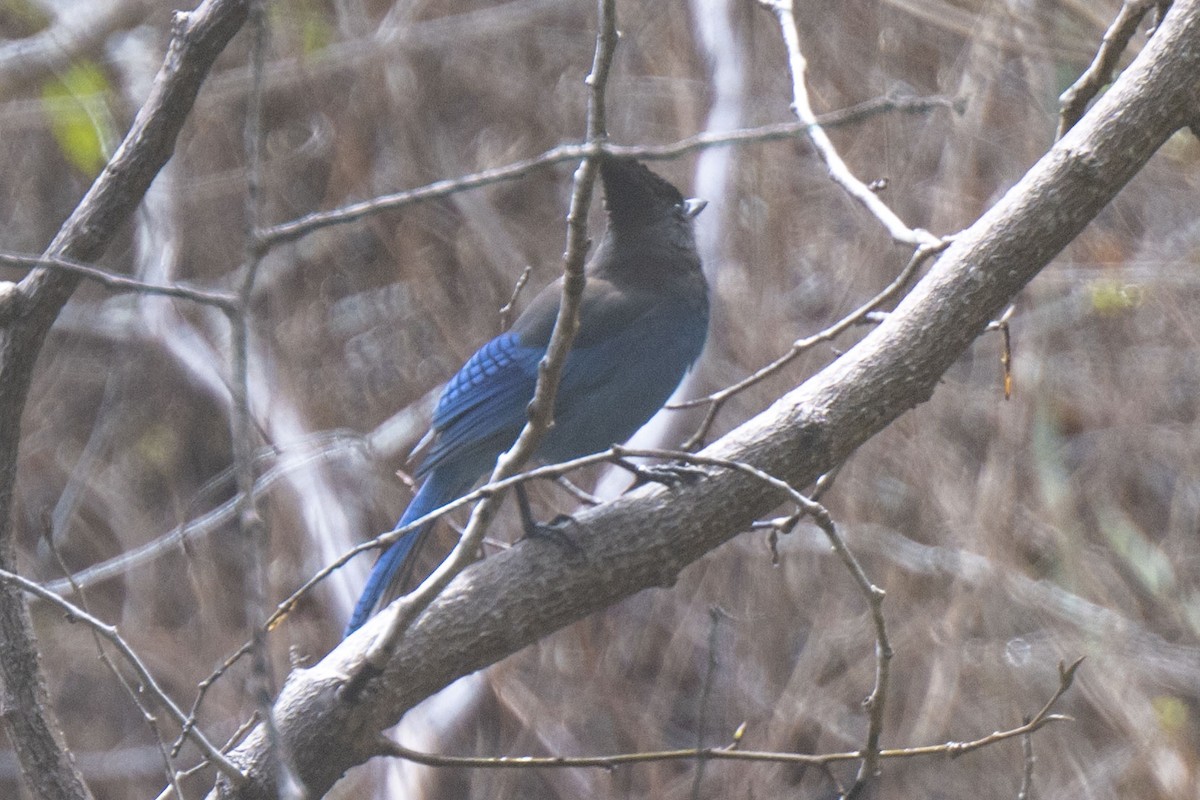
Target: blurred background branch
74	31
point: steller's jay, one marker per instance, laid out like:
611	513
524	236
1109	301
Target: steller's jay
642	324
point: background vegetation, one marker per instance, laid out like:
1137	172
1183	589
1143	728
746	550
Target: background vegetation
1009	535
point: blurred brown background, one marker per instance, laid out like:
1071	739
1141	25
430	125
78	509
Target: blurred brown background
1008	535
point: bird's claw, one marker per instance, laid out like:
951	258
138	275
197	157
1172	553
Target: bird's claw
669	475
554	531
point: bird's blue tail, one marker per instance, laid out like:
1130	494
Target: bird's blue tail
439	488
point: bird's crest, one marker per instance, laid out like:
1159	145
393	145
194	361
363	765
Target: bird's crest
631	189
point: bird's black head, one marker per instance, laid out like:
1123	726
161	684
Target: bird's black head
633	194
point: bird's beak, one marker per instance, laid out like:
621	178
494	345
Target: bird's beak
693	206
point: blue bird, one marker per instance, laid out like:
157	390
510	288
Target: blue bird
642	324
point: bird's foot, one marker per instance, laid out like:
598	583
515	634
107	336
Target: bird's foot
670	475
555	531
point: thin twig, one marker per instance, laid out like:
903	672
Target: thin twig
714	620
493	487
134	694
507	309
237	736
731	753
580	494
489	489
252	528
120	283
1073	102
873	595
110	633
1026	790
550	471
717	399
838	171
792	130
302	226
1006	352
787	524
205	685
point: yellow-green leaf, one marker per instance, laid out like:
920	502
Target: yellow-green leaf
75	104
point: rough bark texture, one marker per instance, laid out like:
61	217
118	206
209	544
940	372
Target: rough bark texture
28	309
645	538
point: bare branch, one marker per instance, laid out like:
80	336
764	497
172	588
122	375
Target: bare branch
252	528
120	283
73	34
507	309
731	753
302	226
838	171
113	637
1026	790
717	399
1074	100
714	621
135	695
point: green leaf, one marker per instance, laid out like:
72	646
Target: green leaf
75	104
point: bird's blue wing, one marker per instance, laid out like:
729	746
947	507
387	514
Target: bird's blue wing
485	401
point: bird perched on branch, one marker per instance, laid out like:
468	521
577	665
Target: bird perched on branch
642	324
